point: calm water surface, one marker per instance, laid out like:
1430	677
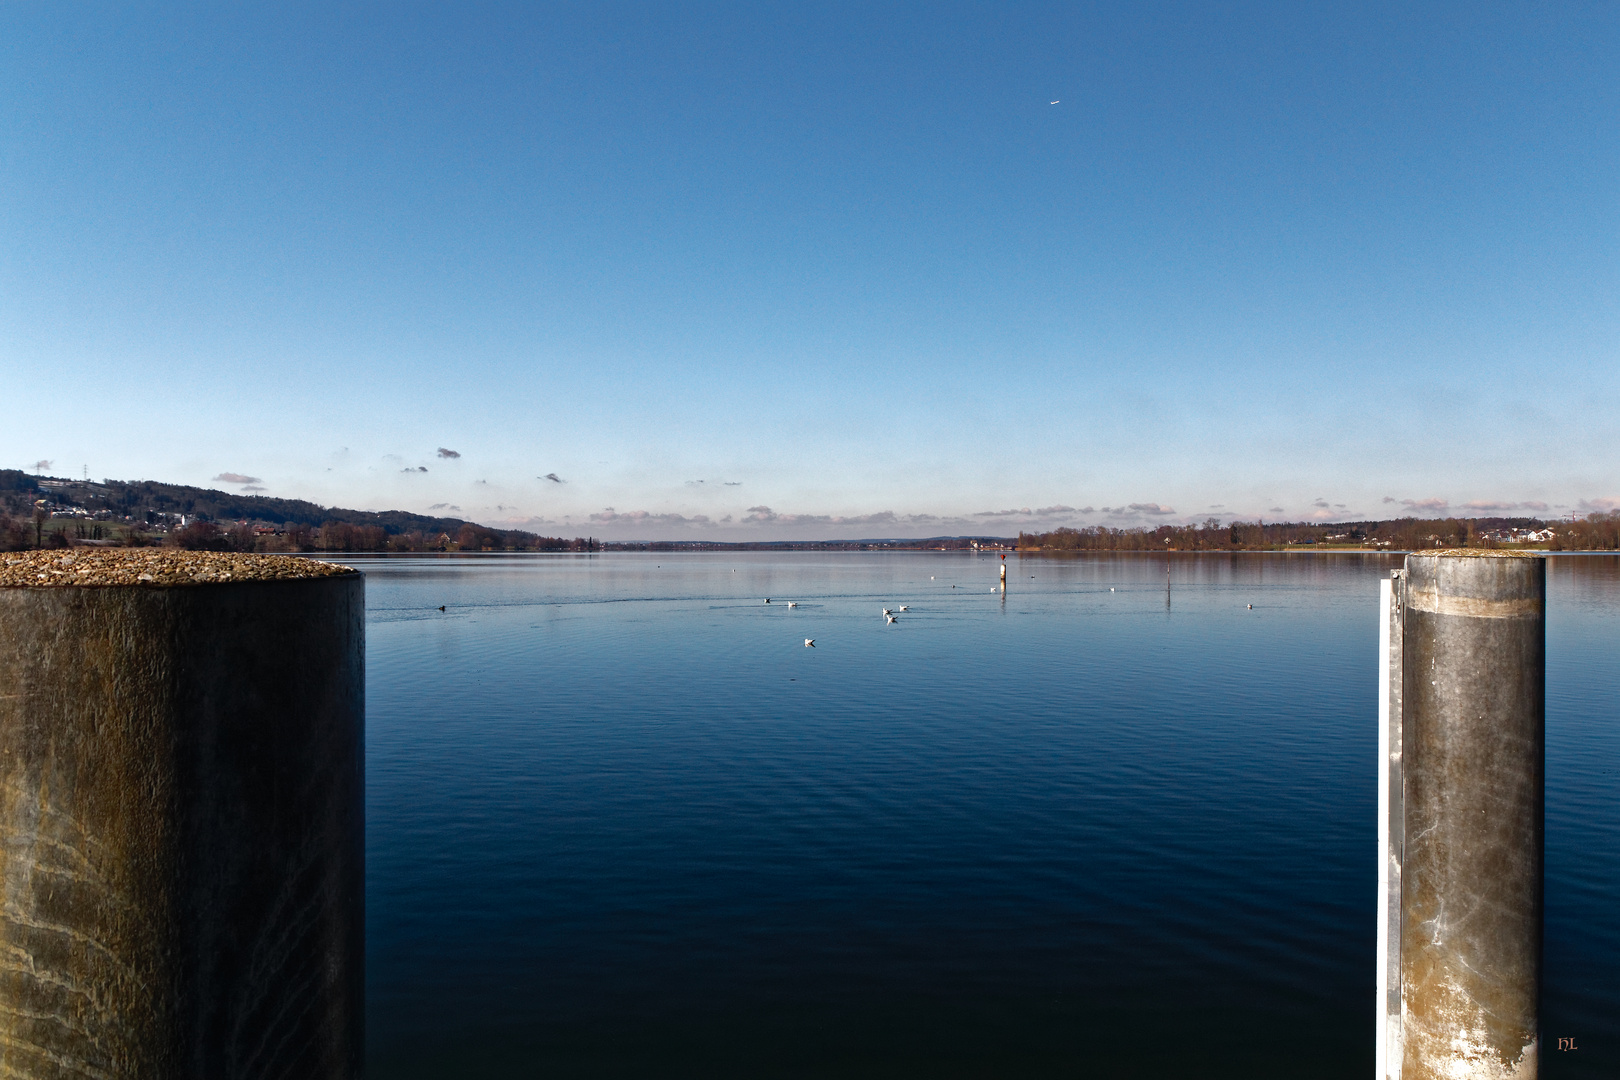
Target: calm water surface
622	823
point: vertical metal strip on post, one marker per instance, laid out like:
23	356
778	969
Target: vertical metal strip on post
1473	748
1390	833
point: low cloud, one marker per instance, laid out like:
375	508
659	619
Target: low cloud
1488	505
1149	509
553	477
1438	505
1320	502
419	468
1276	510
764	515
446	452
1601	505
1044	511
444	506
236	478
733	483
758	522
610	516
762	520
253	487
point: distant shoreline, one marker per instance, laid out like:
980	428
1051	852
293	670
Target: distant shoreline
38	511
745	548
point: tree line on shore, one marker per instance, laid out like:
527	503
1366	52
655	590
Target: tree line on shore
146	512
22	534
150	501
1595	532
343	536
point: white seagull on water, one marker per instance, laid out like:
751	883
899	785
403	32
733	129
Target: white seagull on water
891	618
809	642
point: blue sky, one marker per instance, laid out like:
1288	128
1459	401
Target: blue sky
814	270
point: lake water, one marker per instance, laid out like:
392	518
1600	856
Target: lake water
623	823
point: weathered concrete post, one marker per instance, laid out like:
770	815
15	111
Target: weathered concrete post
1472	738
1391	815
182	816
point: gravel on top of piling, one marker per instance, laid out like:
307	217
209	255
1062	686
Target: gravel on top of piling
154	567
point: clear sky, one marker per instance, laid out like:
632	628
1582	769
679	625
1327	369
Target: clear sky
813	270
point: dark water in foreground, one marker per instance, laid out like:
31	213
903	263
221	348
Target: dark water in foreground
622	823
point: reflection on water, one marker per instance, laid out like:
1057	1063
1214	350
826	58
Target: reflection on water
1111	822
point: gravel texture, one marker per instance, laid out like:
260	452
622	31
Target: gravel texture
153	566
1482	553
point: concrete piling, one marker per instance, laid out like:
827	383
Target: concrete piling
1471	728
1391	838
182	816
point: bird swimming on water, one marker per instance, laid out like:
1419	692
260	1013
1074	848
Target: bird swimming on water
809	642
886	611
904	608
793	603
891	618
